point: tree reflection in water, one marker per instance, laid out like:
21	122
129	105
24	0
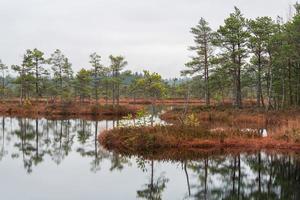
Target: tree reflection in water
245	176
154	189
233	176
36	139
3	151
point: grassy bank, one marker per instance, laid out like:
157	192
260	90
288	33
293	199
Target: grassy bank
65	110
144	140
229	116
209	129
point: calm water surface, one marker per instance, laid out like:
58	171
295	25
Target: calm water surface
44	159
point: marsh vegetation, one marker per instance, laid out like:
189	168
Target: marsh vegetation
228	128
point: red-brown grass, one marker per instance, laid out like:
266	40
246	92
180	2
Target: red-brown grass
251	118
217	130
65	110
142	140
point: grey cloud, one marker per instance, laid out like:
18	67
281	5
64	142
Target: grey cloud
152	34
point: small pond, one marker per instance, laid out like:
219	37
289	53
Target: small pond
62	159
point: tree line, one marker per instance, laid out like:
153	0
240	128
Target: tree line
243	59
53	78
249	58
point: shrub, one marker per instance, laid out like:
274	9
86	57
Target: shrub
27	104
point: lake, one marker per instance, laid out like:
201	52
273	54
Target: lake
62	159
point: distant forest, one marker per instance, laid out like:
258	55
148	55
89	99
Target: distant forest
256	59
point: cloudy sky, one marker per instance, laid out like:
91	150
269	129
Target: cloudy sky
151	34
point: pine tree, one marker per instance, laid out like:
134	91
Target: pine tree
62	72
200	63
117	64
97	71
3	69
261	30
232	39
35	61
83	84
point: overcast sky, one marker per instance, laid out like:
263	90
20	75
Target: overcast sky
151	34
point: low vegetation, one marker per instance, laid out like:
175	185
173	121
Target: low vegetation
143	140
65	109
228	116
204	132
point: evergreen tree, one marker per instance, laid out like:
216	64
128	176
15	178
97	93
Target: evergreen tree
97	71
83	84
232	39
35	62
261	30
62	72
3	69
117	64
200	63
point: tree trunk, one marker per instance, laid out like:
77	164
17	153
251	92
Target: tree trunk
206	75
118	97
239	87
106	93
259	89
21	90
152	179
37	137
3	84
113	89
37	79
298	84
205	177
283	91
270	82
96	141
290	83
61	83
187	178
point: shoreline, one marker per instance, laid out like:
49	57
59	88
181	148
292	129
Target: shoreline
145	141
192	154
204	148
66	110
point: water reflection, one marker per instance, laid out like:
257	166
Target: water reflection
34	139
255	176
241	176
155	187
40	144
